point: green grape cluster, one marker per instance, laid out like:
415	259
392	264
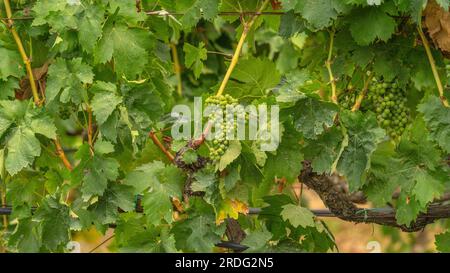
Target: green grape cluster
223	120
388	101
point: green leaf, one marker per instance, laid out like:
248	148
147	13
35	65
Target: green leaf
127	10
104	102
57	14
257	240
66	77
272	214
99	171
287	162
163	183
407	210
288	58
25	238
324	151
369	24
427	188
203	180
194	57
126	46
318	13
190	156
312	116
21	143
443	242
103	147
22	148
289	91
43	124
194	10
363	137
8	87
437	118
106	210
55	222
249	77
298	216
202	237
10	64
90	27
233	152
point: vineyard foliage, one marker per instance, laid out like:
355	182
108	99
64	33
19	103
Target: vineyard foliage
80	147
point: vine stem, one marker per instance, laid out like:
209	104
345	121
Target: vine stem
62	155
432	62
246	28
158	143
361	96
22	52
330	72
177	68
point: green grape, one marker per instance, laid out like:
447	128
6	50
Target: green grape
388	100
219	145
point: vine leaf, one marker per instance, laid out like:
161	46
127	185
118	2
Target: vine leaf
126	10
55	223
313	115
318	13
363	137
272	214
249	77
116	196
194	57
202	237
298	216
159	183
407	209
230	208
194	10
66	77
25	238
90	27
22	146
127	46
10	64
427	188
437	118
368	24
257	239
99	171
233	152
105	101
443	242
324	151
287	162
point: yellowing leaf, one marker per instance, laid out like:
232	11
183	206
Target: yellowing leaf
230	208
